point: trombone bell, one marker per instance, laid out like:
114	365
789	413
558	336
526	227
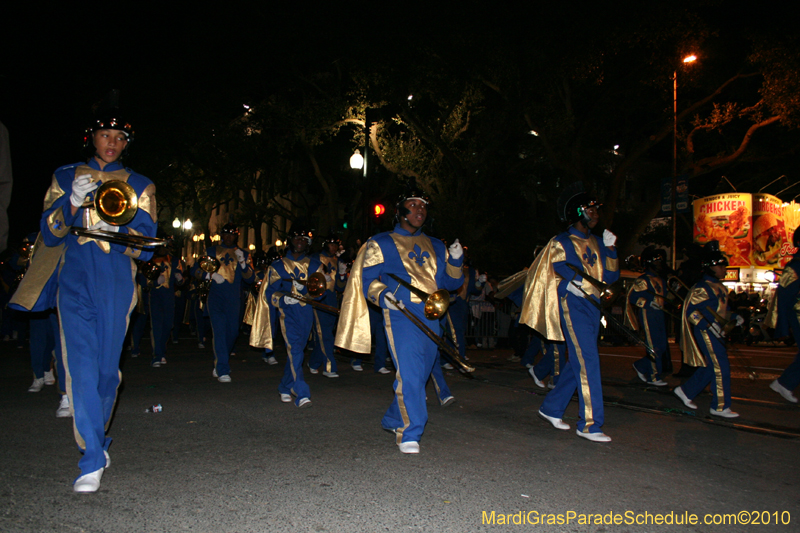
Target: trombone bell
209	264
436	304
316	284
116	202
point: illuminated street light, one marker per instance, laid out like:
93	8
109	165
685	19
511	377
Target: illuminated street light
187	225
356	161
674	192
176	223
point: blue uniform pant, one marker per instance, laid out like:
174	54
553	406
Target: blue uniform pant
95	298
223	309
324	332
414	356
44	328
534	347
547	364
655	334
791	376
716	373
580	322
162	314
437	377
296	322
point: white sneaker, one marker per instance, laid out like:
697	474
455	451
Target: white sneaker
658	383
214	373
446	366
535	379
551	385
313	370
224	379
49	378
304	402
409	447
783	391
271	360
330	374
286	398
37	385
63	410
685	399
89	482
448	401
357	368
163	360
201	345
556	422
108	459
384	370
725	413
594	437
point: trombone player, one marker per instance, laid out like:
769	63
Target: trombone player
95	281
422	262
562	305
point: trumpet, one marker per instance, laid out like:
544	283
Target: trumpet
209	264
116	203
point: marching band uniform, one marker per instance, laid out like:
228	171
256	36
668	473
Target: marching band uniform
702	340
224	297
645	312
425	263
162	305
325	323
557	306
788	322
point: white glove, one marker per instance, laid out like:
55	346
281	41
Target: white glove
81	186
328	278
217	277
482	278
739	320
392	303
456	251
290	301
298	287
574	289
716	330
609	239
240	257
655	306
342	268
178	277
207	276
161	279
105	226
340	251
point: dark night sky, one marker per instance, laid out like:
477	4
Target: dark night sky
56	62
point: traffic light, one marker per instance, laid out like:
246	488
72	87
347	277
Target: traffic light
378	210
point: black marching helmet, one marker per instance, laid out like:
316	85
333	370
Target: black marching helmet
411	192
230	229
712	256
651	255
260	260
298	230
332	238
108	117
573	203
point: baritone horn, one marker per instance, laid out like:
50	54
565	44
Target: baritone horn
116	203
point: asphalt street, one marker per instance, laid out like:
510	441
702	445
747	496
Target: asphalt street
233	458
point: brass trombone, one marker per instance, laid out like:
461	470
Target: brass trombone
436	306
316	285
116	204
606	291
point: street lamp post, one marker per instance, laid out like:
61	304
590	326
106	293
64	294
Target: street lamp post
674	192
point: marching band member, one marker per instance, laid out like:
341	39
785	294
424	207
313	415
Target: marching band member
296	317
325	323
423	262
224	297
95	282
788	322
162	301
702	338
645	312
562	305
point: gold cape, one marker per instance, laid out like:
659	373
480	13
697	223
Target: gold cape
691	351
43	264
353	332
540	308
261	330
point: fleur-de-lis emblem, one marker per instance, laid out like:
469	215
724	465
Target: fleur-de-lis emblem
57	224
418	255
589	257
298	274
226	259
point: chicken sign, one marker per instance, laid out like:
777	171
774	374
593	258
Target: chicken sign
751	229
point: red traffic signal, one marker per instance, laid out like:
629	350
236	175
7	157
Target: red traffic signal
378	210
